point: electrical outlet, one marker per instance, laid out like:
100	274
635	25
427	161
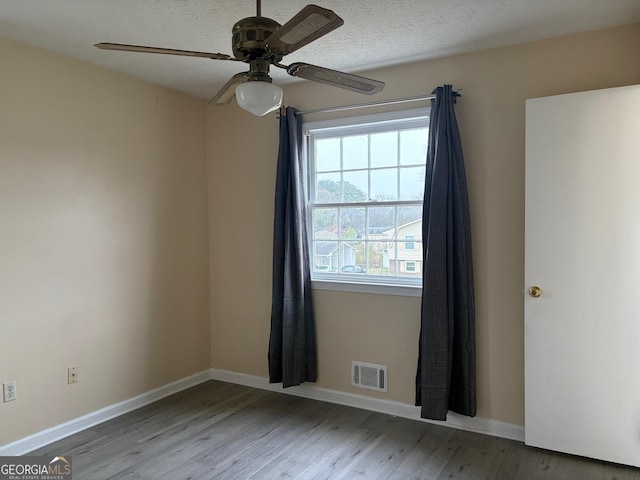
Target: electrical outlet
72	374
9	391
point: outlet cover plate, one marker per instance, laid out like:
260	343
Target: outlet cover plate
9	392
72	374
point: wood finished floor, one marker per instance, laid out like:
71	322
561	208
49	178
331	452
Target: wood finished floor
222	431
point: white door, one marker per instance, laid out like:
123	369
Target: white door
582	221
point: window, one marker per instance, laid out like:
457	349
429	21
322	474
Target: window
366	187
409	245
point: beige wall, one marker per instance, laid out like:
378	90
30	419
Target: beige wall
103	237
383	329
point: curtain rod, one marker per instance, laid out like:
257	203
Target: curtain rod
456	93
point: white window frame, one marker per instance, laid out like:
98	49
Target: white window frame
413	118
413	263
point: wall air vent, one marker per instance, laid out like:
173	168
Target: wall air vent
369	376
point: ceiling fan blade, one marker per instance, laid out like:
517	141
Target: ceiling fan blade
309	24
226	93
335	78
166	51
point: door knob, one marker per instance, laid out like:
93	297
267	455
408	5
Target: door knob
535	291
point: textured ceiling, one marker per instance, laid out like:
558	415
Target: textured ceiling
376	32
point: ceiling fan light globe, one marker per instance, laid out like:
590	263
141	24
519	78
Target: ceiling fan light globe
259	97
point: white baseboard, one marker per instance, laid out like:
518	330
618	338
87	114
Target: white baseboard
50	435
454	420
53	434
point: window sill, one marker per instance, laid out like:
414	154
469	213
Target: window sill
372	288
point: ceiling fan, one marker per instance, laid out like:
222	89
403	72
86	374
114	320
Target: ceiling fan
262	42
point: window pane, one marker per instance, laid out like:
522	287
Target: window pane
325	240
355	186
352	223
413	147
325	258
325	219
412	183
378	258
382	221
410	214
352	258
409	236
355	152
328	187
327	154
384	149
384	184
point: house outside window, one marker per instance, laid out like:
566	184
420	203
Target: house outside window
408	260
366	187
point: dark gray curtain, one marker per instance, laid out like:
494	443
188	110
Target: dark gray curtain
292	343
446	376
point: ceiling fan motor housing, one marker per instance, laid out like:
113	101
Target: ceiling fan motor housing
250	35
